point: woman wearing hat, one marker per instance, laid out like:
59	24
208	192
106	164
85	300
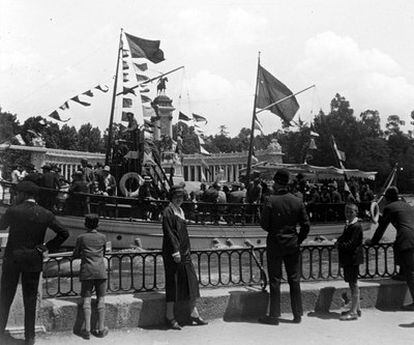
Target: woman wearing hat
181	283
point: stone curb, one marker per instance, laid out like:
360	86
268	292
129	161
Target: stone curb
236	303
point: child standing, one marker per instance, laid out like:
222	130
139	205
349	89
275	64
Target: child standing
90	248
350	257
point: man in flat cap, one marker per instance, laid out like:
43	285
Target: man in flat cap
401	215
27	223
281	214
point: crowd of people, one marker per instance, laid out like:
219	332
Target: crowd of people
282	215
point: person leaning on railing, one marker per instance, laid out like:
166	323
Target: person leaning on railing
401	215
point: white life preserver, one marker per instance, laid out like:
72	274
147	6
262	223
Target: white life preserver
374	211
123	183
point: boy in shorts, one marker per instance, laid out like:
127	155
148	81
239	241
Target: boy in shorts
350	257
90	248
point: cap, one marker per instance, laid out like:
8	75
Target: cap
282	176
391	193
91	220
107	168
28	187
177	190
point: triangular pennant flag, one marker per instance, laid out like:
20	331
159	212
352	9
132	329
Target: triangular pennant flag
76	99
258	125
19	139
339	154
125	65
183	117
144	90
142	48
126	103
145	99
128	90
88	93
103	88
55	115
199	118
141	66
204	164
125	77
201	140
148	111
125	53
141	77
64	106
203	151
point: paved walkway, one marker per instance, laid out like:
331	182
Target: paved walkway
374	327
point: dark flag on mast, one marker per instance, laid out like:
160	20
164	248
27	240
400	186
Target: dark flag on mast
271	90
142	48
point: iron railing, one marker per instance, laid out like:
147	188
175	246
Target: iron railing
131	271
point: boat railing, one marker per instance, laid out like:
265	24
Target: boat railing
149	209
131	271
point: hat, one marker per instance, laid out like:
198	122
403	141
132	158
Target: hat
177	190
282	176
77	173
147	178
91	220
46	167
235	184
391	194
107	168
28	187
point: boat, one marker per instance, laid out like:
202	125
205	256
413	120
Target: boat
128	221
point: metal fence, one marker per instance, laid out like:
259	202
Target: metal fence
131	271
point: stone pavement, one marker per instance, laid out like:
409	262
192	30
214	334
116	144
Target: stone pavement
374	327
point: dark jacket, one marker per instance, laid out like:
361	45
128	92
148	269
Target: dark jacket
281	214
401	215
350	245
27	223
90	248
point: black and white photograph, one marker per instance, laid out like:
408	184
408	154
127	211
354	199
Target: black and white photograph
210	172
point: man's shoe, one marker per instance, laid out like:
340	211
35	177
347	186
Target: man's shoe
409	307
198	321
101	334
83	333
269	320
348	317
297	319
173	324
359	312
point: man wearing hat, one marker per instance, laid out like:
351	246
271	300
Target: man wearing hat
27	223
50	186
108	184
88	174
281	214
401	215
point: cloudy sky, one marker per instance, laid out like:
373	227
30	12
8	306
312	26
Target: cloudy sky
53	50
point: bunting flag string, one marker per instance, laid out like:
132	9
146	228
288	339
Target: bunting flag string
141	66
183	117
88	93
125	65
64	106
103	88
55	115
199	118
125	77
128	90
76	99
141	77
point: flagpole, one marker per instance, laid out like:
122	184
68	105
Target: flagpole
249	157
152	79
111	118
285	98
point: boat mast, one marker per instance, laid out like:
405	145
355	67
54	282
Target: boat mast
111	118
249	157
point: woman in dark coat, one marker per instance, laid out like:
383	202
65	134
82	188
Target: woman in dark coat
181	283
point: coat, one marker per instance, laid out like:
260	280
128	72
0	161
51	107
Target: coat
181	282
27	223
281	214
401	215
350	245
90	248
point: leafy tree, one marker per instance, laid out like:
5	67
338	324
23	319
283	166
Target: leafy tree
89	139
68	139
9	125
370	124
393	125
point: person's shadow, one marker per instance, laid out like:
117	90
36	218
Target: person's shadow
324	315
406	325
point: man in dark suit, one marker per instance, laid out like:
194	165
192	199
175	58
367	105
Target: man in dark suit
281	214
27	223
50	184
401	215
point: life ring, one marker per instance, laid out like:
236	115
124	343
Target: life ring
123	183
374	211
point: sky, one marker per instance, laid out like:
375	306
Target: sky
53	50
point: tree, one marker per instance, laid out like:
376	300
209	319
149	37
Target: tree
89	139
9	126
223	131
393	125
68	139
371	124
